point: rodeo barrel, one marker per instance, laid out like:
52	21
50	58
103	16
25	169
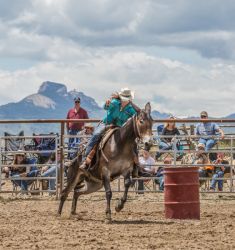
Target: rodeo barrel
181	193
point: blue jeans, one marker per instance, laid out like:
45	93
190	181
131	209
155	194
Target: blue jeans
73	142
160	181
95	138
51	172
218	174
23	184
166	146
209	143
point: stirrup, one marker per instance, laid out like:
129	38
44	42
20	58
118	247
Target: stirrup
84	166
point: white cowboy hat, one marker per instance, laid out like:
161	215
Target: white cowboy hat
126	94
201	145
20	152
88	125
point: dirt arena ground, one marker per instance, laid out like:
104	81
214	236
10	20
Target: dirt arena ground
32	224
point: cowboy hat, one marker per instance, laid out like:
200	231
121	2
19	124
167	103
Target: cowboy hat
201	145
126	94
88	125
20	152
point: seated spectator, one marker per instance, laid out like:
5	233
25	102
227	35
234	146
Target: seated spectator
146	161
206	129
167	143
27	170
202	158
81	142
147	167
160	174
219	172
50	171
86	133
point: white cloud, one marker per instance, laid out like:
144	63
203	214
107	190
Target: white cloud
171	86
99	46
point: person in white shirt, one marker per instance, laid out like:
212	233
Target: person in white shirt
147	166
146	161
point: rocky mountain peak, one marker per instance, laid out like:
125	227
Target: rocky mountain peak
51	88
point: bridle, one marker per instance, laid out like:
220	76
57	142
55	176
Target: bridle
136	128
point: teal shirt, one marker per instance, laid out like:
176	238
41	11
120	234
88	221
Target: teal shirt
116	115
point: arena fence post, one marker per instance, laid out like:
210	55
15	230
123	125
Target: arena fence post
61	156
0	166
231	164
56	162
175	149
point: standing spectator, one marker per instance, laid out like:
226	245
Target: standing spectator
206	129
219	172
74	128
167	143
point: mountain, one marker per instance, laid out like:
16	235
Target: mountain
157	115
52	101
231	116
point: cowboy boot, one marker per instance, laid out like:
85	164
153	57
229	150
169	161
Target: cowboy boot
86	164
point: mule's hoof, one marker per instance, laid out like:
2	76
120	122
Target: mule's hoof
117	209
58	215
73	216
119	206
108	221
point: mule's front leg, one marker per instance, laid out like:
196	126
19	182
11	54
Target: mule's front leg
108	192
121	202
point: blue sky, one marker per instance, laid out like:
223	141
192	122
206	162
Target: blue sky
178	54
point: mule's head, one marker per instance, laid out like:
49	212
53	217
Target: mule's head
144	123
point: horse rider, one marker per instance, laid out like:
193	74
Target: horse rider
119	109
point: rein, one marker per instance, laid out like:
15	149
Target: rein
136	128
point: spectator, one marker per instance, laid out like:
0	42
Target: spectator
160	174
86	133
207	129
74	128
50	171
167	143
146	161
27	170
219	172
147	167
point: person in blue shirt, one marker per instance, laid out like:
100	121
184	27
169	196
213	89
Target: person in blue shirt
119	109
206	129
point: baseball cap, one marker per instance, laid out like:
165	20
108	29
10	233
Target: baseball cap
204	113
77	99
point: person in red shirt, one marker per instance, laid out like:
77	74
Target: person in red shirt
73	128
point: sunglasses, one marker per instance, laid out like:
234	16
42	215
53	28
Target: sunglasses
203	116
77	102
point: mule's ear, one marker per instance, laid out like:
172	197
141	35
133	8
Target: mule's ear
148	108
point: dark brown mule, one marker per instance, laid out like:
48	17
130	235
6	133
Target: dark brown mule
119	150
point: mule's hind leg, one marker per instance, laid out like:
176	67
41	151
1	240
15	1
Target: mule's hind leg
90	188
108	192
121	202
70	185
75	199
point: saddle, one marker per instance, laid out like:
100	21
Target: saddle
93	156
107	134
